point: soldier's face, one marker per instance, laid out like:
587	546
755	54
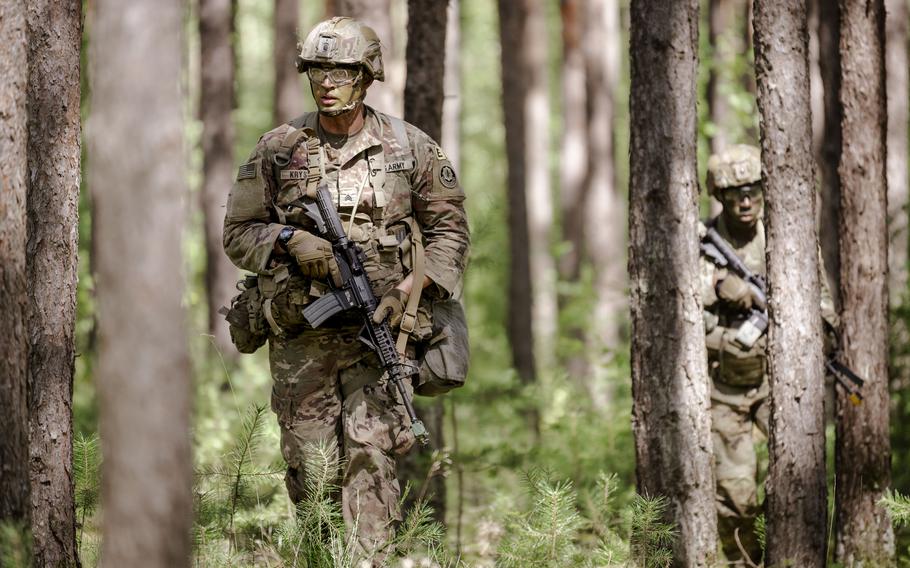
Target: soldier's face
744	204
336	89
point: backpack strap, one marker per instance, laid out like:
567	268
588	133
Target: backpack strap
400	131
409	317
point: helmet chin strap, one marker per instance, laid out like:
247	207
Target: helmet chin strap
354	104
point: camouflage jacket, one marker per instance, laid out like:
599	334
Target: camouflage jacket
722	315
399	174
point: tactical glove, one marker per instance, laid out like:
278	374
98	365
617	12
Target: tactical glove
734	290
392	306
314	256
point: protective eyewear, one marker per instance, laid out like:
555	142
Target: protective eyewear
337	76
753	192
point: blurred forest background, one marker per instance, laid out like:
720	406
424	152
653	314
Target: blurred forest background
540	439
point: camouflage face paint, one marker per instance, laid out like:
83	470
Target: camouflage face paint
333	99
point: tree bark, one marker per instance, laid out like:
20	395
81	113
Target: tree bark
670	388
829	151
604	218
532	318
721	34
864	536
423	102
288	97
386	96
143	371
14	478
898	85
573	189
216	99
451	101
423	92
796	494
574	150
55	42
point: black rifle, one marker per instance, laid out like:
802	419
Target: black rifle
716	249
719	251
355	292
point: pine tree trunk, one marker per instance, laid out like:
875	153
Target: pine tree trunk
574	150
331	8
526	109
55	42
573	167
215	103
829	67
864	536
384	96
288	96
796	495
816	89
721	33
670	416
143	372
423	102
14	478
451	102
604	218
898	85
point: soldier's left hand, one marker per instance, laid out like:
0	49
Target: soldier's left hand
392	306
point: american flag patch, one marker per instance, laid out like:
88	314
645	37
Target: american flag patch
247	171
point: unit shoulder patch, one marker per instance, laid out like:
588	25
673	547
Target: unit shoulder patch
447	176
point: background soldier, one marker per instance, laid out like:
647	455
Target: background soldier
739	383
397	193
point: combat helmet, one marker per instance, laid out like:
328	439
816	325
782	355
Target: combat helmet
733	167
342	41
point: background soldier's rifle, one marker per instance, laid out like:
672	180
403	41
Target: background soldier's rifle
354	292
716	249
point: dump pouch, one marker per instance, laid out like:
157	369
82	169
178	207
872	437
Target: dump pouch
246	321
444	357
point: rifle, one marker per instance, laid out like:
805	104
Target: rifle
716	249
355	292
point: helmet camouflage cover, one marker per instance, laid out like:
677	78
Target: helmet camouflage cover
732	167
342	41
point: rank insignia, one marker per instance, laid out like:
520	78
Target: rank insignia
440	155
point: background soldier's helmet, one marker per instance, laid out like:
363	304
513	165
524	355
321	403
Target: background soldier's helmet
342	41
735	166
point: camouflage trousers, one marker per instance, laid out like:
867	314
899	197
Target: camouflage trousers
326	391
735	412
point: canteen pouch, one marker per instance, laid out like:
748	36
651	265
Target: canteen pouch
246	321
444	361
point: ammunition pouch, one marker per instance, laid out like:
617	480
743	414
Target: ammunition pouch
246	321
732	365
444	357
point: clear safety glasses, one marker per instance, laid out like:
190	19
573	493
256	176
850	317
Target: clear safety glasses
337	76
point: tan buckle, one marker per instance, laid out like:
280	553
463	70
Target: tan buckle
408	323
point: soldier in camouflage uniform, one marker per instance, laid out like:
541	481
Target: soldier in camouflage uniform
390	181
739	396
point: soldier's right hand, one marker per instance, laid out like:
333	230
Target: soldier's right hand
735	291
314	256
